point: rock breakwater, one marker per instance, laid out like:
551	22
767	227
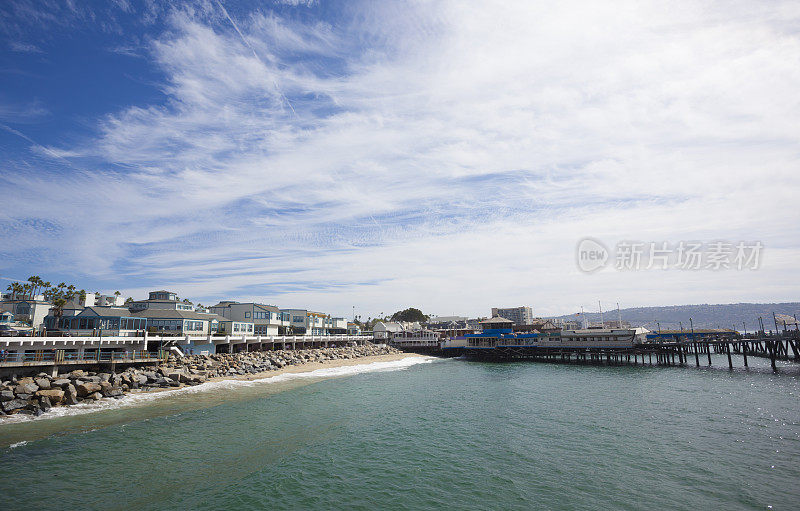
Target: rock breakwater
35	395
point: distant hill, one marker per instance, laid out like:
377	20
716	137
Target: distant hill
728	315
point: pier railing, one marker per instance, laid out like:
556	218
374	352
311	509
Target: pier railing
56	358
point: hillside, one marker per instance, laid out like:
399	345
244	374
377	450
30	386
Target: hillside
704	315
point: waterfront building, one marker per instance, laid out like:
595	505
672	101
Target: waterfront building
306	322
447	322
518	315
266	319
31	311
96	320
411	339
178	321
231	327
383	330
353	329
160	300
538	325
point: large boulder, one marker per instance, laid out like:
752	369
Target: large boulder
77	374
85	388
70	395
60	382
43	383
55	396
26	388
45	404
6	395
14	405
95	396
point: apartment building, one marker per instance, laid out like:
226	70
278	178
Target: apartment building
518	315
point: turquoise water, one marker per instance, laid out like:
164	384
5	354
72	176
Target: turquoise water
448	434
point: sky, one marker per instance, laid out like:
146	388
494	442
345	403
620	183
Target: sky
371	156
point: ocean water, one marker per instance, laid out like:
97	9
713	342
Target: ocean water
426	434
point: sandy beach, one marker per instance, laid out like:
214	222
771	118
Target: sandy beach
312	366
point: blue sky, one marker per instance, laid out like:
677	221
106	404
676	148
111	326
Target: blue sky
444	155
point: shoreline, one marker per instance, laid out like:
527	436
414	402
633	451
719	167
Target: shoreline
307	367
139	396
38	395
313	366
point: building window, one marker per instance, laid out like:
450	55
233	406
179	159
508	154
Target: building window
247	314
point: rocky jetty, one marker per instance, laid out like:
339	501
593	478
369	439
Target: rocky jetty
35	395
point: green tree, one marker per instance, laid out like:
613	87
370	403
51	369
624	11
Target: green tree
410	315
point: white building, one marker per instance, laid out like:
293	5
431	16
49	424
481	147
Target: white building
30	311
518	315
109	301
384	330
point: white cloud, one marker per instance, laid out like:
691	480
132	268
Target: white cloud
447	156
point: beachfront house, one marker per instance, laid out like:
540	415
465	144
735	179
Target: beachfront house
97	321
306	322
265	319
231	327
175	322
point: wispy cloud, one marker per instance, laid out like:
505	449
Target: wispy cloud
24	47
451	152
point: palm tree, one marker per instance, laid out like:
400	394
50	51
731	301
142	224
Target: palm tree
58	309
32	284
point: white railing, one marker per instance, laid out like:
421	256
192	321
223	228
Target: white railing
66	342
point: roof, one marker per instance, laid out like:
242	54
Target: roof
71	304
175	314
496	319
98	310
389	326
228	303
785	319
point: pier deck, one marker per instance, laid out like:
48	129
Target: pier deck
696	351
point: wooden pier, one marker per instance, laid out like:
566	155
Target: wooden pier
695	352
